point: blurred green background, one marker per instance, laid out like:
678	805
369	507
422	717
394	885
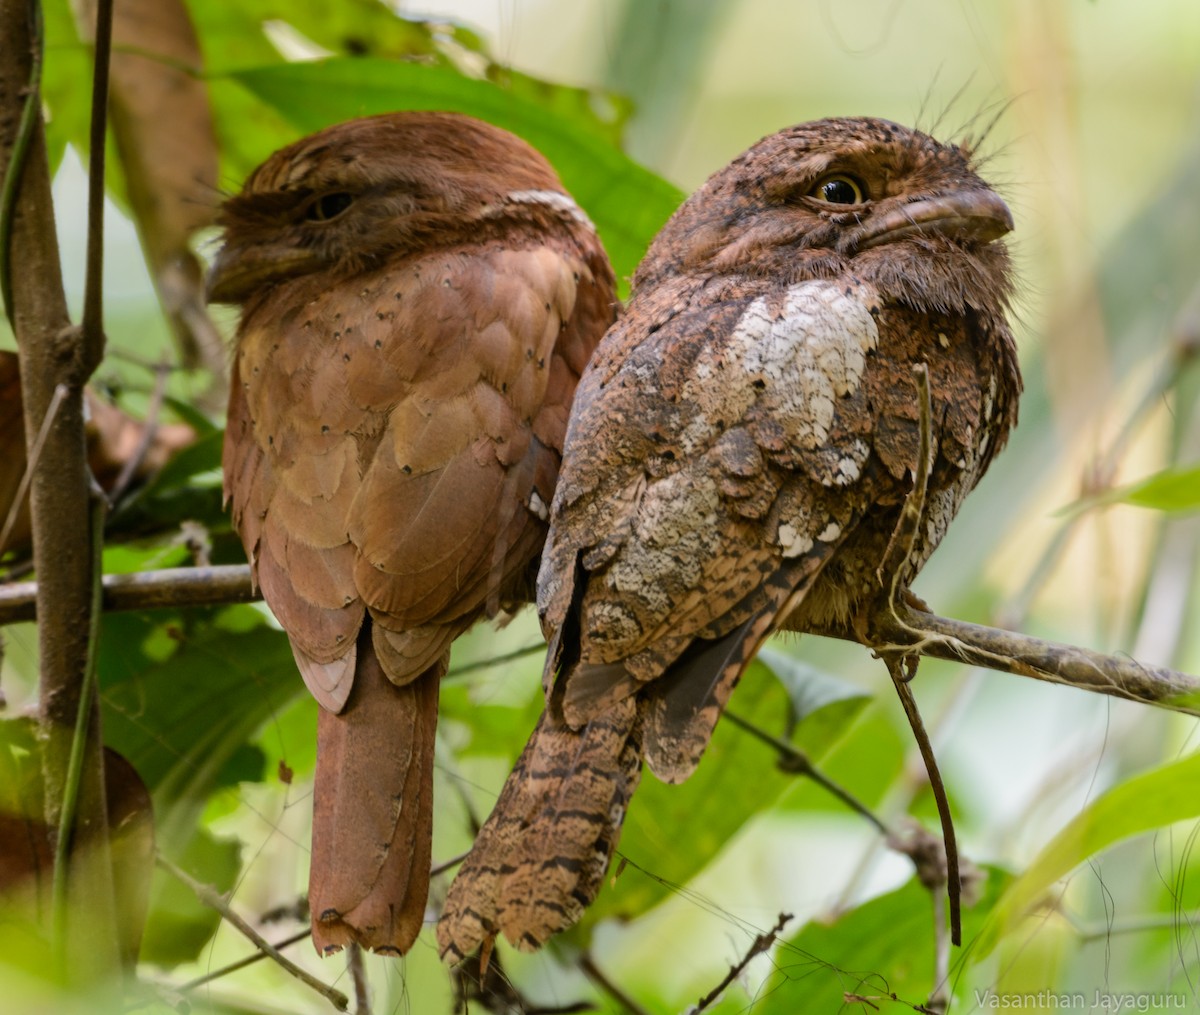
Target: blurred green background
1094	115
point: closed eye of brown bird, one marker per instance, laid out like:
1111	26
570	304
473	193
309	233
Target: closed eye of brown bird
418	298
739	451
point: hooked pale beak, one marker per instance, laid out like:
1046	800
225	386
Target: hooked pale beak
977	216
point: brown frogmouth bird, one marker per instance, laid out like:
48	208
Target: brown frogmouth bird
419	296
739	451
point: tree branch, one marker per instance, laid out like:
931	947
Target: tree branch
51	354
594	973
233	967
212	898
759	945
909	631
795	762
146	590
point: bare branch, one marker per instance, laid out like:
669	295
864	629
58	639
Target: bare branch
213	899
91	338
14	511
796	762
358	973
601	980
952	881
757	947
914	631
145	590
249	960
909	631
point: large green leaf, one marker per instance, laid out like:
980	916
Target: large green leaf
882	948
181	696
673	832
183	692
628	203
1151	800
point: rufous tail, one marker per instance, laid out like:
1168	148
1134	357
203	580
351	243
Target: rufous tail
373	811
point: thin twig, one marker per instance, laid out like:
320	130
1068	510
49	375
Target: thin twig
358	973
60	392
92	323
594	973
953	882
758	946
795	761
939	998
249	960
446	865
1132	925
213	899
483	664
149	430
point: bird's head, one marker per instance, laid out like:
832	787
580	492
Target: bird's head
343	199
886	203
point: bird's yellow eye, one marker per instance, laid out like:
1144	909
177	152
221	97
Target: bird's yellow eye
839	189
328	206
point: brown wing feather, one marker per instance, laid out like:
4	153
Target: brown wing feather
399	462
389	456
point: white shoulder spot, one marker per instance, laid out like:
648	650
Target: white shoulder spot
551	199
538	506
794	354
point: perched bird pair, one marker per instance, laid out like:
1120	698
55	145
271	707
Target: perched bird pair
420	298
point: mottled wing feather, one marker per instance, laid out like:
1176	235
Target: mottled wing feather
714	521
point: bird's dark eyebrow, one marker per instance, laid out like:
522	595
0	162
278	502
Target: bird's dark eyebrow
268	205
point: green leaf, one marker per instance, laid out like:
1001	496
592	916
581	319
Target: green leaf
1170	490
182	693
188	487
628	203
181	696
604	114
809	688
883	947
1151	800
177	925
